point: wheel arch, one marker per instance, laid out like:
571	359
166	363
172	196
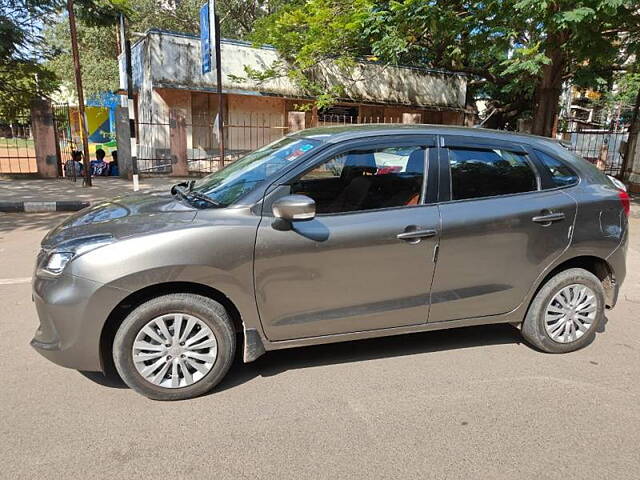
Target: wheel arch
596	265
133	300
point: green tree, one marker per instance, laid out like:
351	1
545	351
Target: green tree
22	74
98	32
98	45
518	52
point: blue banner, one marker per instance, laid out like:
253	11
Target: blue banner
205	38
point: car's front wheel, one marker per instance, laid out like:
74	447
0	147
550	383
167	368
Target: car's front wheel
566	312
174	346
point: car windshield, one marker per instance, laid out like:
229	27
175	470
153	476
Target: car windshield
240	177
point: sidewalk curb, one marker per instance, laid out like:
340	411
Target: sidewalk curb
39	207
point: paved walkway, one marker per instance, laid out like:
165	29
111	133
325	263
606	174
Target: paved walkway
61	194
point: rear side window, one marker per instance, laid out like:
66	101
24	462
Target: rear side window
479	173
561	175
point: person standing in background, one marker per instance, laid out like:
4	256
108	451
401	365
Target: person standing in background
113	165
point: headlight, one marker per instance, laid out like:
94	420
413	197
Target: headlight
57	259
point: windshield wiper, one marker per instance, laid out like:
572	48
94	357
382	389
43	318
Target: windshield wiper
204	198
190	196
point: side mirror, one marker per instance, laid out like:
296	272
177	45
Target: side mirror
294	207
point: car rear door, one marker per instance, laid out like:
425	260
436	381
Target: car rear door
500	229
365	261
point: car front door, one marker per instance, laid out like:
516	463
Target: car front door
366	260
500	230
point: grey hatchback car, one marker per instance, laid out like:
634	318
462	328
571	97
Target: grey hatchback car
330	235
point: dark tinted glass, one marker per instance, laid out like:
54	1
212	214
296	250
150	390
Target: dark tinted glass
486	173
365	180
560	173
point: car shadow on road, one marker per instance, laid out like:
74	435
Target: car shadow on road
280	361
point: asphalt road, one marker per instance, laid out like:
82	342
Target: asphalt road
464	403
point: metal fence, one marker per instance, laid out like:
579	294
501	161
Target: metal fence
64	140
17	149
243	134
603	148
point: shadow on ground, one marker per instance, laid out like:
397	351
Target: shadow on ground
276	362
31	221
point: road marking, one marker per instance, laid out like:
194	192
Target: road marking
14	281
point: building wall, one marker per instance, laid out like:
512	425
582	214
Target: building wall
170	86
250	121
254	121
173	61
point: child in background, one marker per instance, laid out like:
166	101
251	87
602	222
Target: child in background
73	168
99	167
113	165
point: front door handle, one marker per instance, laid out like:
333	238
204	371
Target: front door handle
548	218
416	234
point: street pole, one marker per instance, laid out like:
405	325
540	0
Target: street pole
219	84
78	74
131	105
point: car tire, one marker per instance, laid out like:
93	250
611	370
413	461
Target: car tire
196	317
547	325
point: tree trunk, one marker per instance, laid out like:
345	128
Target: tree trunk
632	141
549	88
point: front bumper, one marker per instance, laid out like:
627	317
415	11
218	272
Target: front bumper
72	312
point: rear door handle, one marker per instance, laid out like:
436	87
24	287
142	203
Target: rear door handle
416	234
548	218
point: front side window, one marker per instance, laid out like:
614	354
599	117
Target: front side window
561	175
479	173
240	177
365	180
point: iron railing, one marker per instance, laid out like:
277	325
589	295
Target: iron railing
603	148
17	148
243	134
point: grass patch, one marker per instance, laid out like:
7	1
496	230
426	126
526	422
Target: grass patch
16	142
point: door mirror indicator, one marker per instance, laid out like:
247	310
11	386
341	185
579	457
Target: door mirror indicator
294	208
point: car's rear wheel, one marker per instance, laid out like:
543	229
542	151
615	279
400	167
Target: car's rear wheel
175	346
566	312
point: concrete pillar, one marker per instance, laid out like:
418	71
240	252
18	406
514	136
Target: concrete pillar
634	175
178	143
123	138
44	137
296	121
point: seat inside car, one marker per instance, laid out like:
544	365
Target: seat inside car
404	188
356	178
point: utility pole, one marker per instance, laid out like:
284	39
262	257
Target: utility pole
78	74
216	21
131	104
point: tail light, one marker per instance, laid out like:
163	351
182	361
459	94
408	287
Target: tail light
625	200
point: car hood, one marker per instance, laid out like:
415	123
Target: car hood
123	217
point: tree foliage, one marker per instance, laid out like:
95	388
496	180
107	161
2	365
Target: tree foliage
22	75
518	52
98	35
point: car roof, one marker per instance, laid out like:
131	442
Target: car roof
341	133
